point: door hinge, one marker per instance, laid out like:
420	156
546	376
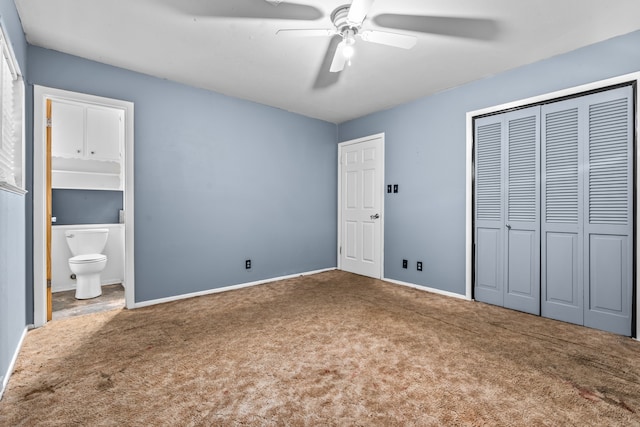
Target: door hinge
48	123
340	251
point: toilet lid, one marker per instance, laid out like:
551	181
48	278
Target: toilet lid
87	258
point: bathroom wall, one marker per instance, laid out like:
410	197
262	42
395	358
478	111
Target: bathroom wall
86	206
85	209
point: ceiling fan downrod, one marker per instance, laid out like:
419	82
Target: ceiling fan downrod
346	29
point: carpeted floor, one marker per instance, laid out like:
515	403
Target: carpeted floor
328	349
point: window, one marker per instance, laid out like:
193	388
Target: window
11	119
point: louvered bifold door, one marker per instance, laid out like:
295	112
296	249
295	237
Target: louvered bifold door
522	207
488	212
608	206
562	261
587	210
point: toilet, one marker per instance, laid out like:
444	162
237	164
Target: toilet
87	261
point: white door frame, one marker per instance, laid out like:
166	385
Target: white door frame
340	147
40	96
632	77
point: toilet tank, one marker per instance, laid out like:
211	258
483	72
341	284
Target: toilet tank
86	241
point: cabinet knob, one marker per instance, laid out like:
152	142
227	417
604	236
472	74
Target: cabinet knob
78	151
93	152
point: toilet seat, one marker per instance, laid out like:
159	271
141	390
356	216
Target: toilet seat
87	259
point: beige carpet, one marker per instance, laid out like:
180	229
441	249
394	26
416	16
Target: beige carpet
329	349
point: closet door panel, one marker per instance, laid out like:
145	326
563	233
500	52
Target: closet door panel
489	274
522	251
607	267
489	235
561	279
522	147
609	208
562	259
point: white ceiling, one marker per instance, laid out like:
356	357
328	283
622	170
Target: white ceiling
229	47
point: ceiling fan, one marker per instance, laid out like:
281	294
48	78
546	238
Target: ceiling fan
348	21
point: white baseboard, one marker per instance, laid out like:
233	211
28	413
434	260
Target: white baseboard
428	289
226	288
13	362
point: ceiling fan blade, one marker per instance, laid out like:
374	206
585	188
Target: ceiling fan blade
358	11
306	32
325	78
252	9
476	28
403	41
339	61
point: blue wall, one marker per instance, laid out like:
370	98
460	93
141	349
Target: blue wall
425	154
13	286
217	180
12	277
71	206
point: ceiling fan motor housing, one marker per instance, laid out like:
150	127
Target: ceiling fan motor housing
339	19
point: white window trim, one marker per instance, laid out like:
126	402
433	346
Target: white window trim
18	175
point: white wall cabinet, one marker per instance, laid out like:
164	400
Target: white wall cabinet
87	142
103	133
67	130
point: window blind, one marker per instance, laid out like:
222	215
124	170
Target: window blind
11	105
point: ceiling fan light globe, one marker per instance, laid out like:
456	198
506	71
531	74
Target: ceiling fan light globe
348	50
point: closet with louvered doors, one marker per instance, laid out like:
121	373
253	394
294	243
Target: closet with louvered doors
554	210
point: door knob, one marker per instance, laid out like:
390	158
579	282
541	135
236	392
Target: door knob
508	226
376	216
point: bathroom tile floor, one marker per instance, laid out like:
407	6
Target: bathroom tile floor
66	305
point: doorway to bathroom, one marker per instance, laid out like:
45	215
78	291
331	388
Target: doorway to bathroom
83	179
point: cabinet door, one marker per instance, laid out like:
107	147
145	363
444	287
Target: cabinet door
67	130
103	134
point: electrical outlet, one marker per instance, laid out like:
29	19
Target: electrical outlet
405	263
247	264
419	265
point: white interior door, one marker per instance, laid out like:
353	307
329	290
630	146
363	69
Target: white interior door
361	172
